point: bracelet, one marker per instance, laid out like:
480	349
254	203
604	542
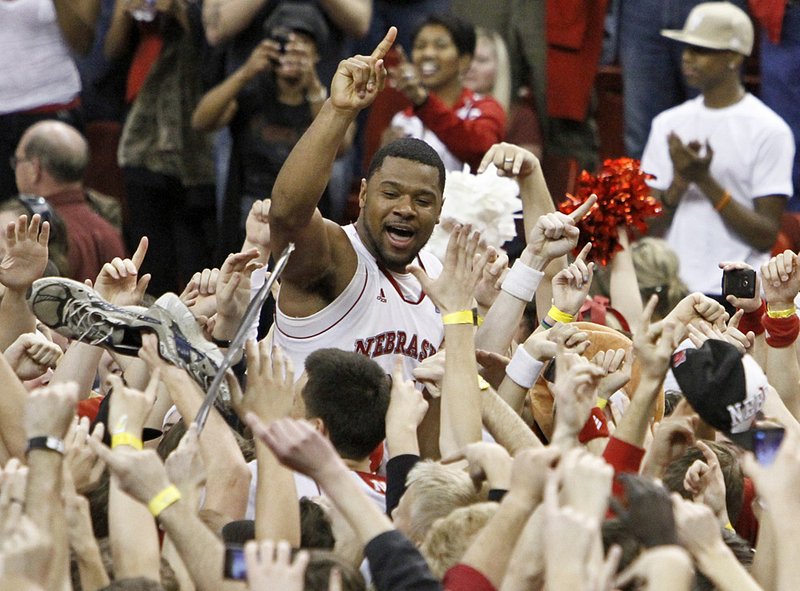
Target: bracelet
460	317
523	369
522	281
546	325
782	313
723	202
483	384
729	527
47	443
751	321
164	499
222	343
601	403
124	438
560	316
781	332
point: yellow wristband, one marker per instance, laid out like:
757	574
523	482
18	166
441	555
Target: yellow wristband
460	317
129	439
478	319
601	403
781	313
729	527
560	316
164	499
483	384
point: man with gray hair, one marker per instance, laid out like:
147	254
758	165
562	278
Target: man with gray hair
49	162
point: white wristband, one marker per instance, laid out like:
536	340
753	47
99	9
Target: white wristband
522	281
523	369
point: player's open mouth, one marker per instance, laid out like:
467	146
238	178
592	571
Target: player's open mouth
400	236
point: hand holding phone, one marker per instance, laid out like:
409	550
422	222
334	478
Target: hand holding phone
740	283
235	564
766	443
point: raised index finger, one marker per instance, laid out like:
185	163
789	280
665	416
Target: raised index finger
585	207
385	45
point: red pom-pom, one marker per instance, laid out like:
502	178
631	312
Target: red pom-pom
623	199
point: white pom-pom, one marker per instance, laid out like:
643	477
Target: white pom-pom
486	201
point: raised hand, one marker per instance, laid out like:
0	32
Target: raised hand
85	468
257	227
488	287
25	256
556	234
31	355
119	282
697	306
571	284
653	344
359	79
49	410
562	338
617	365
185	467
781	279
510	160
574	391
463	267
200	295
671	438
486	461
129	407
407	406
746	304
706	484
270	566
298	446
270	383
261	58
139	473
233	285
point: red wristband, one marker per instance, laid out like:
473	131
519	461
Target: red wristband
751	321
781	332
595	427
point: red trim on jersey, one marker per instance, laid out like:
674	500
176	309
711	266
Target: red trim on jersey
397	287
375	482
363	289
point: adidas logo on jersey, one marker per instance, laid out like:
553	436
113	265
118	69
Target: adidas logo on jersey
382	297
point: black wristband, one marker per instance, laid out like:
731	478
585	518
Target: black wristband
48	443
224	343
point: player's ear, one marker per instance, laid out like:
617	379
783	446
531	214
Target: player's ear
362	194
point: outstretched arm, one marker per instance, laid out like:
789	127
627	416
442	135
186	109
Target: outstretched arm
293	217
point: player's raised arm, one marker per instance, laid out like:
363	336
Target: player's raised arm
300	183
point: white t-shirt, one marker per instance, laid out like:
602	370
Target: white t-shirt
35	64
753	155
380	314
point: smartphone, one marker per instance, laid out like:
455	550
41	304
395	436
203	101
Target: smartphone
766	442
740	283
235	566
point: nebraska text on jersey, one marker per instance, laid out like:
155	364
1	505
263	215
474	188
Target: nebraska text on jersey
395	342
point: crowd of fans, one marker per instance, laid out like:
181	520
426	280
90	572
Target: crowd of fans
397	421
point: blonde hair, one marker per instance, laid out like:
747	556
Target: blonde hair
438	490
657	268
449	537
501	90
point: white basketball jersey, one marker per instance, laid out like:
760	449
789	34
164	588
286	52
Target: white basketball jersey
380	314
